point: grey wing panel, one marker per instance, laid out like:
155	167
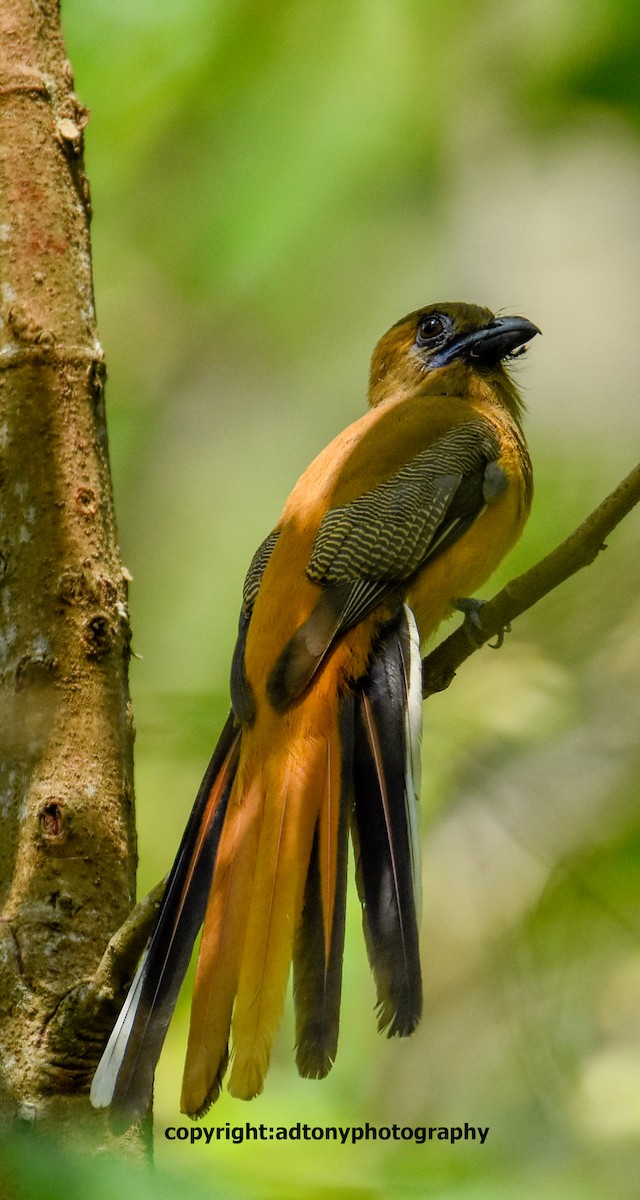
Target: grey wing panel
242	700
257	567
386	534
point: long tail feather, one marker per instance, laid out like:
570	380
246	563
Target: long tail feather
124	1078
292	804
220	953
384	837
319	944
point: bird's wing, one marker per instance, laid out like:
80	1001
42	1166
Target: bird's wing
386	534
364	551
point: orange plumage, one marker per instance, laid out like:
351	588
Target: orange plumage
411	507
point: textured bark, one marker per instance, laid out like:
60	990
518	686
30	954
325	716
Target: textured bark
67	850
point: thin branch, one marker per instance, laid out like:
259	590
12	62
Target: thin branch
577	551
119	960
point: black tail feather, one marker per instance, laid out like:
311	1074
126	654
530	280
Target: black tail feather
125	1075
382	836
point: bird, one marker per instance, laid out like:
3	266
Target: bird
395	523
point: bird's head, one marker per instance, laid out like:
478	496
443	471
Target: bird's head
445	338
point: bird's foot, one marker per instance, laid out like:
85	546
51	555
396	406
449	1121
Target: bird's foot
472	624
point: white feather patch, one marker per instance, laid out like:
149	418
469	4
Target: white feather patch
105	1078
413	769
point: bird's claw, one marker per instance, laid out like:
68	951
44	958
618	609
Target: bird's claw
500	637
472	624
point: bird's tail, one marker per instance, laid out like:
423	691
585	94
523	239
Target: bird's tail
284	806
279	886
275	815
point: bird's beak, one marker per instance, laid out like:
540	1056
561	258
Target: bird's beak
489	345
499	338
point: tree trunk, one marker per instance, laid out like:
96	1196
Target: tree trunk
67	852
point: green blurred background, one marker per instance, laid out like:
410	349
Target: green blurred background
274	183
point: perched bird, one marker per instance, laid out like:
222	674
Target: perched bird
407	510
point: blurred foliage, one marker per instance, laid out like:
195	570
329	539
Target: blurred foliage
274	183
39	1168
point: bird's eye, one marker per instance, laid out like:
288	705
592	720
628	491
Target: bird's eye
432	329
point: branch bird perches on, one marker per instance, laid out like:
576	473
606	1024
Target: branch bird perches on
578	550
